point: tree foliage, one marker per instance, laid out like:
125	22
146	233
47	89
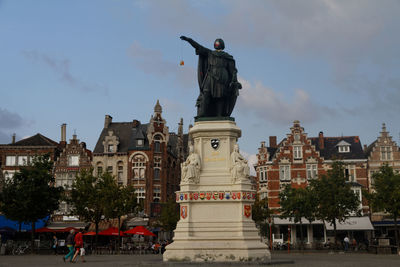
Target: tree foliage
30	194
336	200
298	203
386	194
118	200
261	214
169	216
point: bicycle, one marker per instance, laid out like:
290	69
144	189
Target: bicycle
20	249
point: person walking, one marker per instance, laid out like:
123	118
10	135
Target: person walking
346	242
70	246
55	244
79	246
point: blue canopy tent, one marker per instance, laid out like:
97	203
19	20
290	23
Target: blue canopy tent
4	222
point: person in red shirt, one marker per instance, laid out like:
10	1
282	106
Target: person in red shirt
79	246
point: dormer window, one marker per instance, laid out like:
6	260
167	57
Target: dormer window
110	148
139	142
343	147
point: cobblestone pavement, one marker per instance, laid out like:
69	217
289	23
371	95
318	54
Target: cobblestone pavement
309	259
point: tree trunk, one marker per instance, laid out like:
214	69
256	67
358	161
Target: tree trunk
335	233
119	234
396	232
301	236
96	239
33	238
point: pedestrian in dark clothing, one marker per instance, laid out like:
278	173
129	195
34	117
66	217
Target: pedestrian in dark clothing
70	246
55	244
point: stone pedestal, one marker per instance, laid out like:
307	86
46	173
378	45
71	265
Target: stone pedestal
215	210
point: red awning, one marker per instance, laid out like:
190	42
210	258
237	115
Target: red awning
45	230
139	230
111	231
90	233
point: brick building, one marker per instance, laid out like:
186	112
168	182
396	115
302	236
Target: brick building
17	154
145	155
383	150
297	159
73	158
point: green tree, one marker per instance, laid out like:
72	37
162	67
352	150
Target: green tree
30	194
296	204
336	200
119	200
87	198
386	195
169	216
260	214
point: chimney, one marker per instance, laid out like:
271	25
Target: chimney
272	141
107	121
63	132
321	140
13	138
263	144
365	147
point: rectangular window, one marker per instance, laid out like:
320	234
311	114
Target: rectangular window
386	153
284	172
10	160
350	173
73	160
22	160
156	192
110	169
157	146
156	174
99	170
120	174
312	171
263	174
297	152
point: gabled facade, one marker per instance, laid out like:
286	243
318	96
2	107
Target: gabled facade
145	155
73	158
17	154
382	151
297	160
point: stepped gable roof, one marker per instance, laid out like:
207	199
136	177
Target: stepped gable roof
330	150
127	133
369	148
35	140
271	152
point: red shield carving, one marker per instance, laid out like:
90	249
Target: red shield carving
233	195
177	197
248	195
202	195
208	195
221	195
183	212
238	195
191	196
196	196
215	196
247	210
186	196
253	195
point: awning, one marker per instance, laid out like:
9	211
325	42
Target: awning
385	223
24	226
63	225
287	221
352	223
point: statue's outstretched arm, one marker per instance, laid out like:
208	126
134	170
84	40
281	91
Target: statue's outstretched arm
191	42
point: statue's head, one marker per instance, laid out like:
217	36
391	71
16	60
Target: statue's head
219	44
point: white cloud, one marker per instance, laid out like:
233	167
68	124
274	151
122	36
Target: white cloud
269	105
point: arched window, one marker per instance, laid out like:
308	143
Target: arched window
157	143
138	168
120	172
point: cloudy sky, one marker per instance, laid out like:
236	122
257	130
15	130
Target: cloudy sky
333	65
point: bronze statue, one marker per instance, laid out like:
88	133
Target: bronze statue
217	76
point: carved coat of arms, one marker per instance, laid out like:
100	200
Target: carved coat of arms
215	143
